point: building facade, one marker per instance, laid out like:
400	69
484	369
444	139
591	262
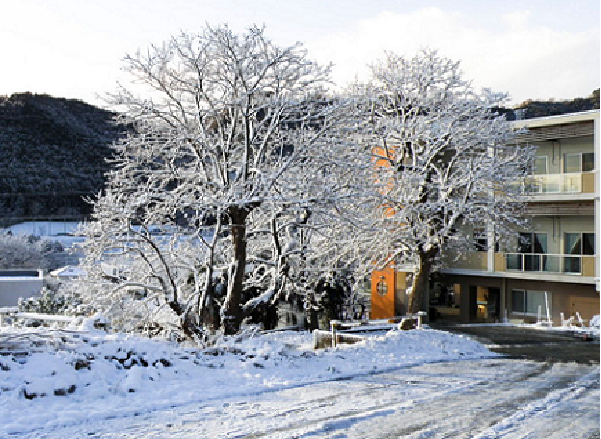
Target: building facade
553	269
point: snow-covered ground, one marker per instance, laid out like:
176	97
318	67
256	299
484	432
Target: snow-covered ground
60	231
67	383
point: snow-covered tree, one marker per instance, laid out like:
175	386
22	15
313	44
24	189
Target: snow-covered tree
20	251
444	159
238	154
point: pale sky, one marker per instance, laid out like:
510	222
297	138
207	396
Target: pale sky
532	49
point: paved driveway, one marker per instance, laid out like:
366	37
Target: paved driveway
530	343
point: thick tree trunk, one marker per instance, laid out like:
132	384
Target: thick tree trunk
232	309
421	280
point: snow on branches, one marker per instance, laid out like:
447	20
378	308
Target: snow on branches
240	153
445	160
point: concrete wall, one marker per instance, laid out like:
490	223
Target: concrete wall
17	283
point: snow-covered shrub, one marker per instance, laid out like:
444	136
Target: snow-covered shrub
58	299
20	251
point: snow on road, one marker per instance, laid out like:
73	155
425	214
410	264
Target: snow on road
416	384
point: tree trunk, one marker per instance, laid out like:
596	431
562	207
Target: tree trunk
421	280
232	309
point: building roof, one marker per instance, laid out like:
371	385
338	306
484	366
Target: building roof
583	116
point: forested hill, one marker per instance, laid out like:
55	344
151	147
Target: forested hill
531	109
52	152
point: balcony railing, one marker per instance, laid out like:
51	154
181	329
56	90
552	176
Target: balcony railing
555	183
549	263
561	183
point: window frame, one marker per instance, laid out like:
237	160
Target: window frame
581	162
540	157
532	243
580	240
525	295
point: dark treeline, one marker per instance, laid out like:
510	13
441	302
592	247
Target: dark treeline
52	154
530	109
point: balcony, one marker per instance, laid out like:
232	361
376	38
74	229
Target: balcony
575	183
550	263
567	267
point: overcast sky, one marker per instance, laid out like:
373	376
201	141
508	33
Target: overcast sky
532	49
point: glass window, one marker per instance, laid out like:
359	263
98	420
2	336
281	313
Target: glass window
579	162
518	301
588	161
533	243
579	244
540	243
572	163
527	302
480	239
588	243
382	288
525	243
572	244
534	299
540	165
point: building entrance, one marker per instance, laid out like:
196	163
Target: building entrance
445	302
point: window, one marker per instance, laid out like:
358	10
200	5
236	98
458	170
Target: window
588	161
527	302
540	165
518	301
532	243
480	240
382	288
579	162
577	244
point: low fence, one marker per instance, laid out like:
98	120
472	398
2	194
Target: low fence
12	313
326	339
348	332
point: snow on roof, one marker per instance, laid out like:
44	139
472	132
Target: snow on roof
68	271
43	228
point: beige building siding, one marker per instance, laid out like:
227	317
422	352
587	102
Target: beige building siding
555	151
478	285
562	296
560	204
555	228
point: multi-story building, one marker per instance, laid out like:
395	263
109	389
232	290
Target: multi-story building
554	269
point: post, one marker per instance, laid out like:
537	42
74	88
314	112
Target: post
333	325
547	306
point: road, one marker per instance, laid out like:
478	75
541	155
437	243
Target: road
530	343
492	398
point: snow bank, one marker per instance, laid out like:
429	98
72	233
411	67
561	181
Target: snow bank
52	378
